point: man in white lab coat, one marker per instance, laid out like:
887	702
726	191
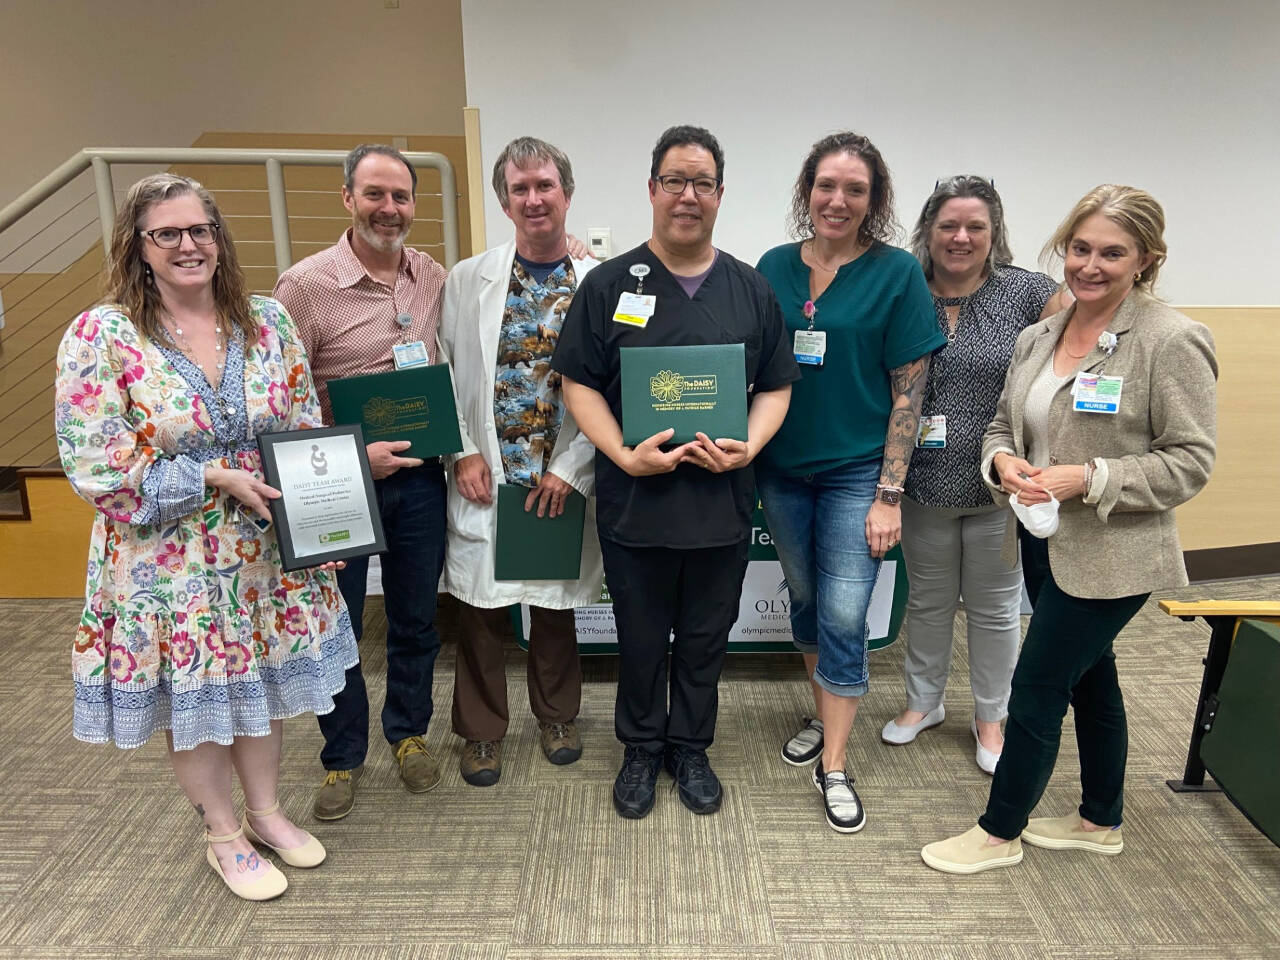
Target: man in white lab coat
501	321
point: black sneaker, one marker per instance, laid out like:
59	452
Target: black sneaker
700	789
634	787
806	746
845	813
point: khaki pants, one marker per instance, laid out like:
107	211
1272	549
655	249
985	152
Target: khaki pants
950	552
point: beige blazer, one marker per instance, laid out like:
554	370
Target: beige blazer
1158	449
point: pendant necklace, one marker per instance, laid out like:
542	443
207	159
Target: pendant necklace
184	345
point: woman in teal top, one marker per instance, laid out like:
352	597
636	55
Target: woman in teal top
831	481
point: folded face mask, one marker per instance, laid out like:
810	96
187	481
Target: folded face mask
1040	519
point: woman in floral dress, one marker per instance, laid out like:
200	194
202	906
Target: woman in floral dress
190	625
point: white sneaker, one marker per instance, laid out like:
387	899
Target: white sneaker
900	734
987	759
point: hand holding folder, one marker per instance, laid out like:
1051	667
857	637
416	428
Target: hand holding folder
530	547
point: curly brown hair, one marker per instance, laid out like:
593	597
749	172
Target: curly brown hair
880	223
127	282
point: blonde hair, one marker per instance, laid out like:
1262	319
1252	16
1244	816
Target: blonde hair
1134	211
127	281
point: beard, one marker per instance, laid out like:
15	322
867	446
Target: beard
378	241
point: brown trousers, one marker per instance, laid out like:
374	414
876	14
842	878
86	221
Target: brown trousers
480	676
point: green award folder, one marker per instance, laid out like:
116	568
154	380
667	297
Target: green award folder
695	388
414	404
538	548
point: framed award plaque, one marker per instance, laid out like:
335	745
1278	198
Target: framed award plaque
327	509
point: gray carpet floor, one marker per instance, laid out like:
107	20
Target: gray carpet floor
100	855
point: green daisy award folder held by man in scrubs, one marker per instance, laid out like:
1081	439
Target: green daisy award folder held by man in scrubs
415	404
538	548
695	389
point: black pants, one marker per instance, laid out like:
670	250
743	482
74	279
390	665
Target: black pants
1066	658
657	590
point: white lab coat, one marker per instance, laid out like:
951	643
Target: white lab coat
475	296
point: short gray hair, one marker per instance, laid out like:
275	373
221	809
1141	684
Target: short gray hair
962	187
523	151
359	153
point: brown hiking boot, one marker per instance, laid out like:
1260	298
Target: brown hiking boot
481	762
418	769
560	742
337	794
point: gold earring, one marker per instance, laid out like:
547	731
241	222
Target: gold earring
1137	278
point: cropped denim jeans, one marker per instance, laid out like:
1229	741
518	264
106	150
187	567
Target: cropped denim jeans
818	525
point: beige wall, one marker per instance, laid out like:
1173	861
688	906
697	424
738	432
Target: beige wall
152	73
1240	505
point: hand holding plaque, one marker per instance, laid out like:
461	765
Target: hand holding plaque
327	509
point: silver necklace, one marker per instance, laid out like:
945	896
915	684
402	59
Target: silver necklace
183	344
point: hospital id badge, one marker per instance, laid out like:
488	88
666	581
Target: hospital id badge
1096	393
811	347
933	431
635	309
407	355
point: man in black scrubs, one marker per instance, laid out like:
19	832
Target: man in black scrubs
674	523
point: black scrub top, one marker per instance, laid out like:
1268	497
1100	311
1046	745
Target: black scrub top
690	507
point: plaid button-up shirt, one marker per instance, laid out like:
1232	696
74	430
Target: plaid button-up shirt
346	319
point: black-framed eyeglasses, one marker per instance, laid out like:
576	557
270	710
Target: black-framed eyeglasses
702	186
166	238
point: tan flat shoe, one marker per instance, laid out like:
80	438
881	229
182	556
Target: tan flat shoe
268	885
970	853
310	854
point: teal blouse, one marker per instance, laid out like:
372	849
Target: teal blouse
878	315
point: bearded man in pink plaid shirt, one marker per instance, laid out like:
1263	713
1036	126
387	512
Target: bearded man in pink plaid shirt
353	303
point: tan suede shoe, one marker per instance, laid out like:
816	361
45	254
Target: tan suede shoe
337	794
1066	833
970	853
418	769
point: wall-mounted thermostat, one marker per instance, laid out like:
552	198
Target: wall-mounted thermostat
600	242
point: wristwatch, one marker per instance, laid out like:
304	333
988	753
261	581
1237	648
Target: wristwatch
888	495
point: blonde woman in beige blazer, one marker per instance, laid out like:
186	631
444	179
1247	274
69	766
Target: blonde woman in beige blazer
1117	477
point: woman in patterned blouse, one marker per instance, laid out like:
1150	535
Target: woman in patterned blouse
190	625
951	529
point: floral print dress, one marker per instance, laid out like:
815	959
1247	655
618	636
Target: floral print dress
190	624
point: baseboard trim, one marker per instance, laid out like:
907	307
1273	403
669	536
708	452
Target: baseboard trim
1229	563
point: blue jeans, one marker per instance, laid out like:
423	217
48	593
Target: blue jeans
412	505
818	525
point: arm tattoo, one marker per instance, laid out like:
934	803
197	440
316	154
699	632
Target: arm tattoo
904	420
